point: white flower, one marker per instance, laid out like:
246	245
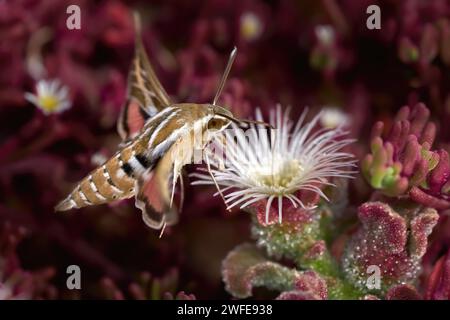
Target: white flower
332	117
50	97
297	158
251	26
325	34
8	286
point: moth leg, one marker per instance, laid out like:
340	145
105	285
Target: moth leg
214	179
181	191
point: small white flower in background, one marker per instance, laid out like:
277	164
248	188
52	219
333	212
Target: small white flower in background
9	285
51	96
251	26
263	165
325	34
332	117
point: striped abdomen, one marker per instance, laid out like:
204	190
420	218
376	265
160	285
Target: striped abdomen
114	180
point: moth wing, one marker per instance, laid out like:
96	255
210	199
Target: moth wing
131	120
144	91
154	194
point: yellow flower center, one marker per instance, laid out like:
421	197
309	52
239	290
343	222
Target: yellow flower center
49	103
250	26
279	177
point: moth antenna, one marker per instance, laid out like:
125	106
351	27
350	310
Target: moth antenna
215	182
225	75
163	229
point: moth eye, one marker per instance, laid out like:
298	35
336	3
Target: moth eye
215	124
212	124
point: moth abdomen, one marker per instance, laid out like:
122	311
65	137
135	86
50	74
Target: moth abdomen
114	180
126	167
143	160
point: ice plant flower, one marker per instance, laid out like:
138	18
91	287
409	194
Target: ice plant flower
325	53
251	26
278	164
51	97
325	34
333	117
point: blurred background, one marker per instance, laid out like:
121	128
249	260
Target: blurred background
316	54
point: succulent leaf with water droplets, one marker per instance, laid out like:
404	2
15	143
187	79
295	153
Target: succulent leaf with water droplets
389	241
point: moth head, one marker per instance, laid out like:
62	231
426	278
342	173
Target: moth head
220	118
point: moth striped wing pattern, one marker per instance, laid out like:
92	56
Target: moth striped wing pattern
146	95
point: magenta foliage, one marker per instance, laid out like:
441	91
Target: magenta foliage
392	241
404	163
298	53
